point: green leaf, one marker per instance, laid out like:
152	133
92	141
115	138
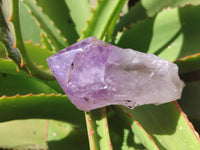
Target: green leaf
23	134
16	84
103	19
76	8
190	100
150	35
6	31
46	42
38	54
189	63
3	53
148	8
167	125
9	67
26	63
63	135
48	27
121	133
41	106
97	128
13	81
61	18
30	28
154	6
137	129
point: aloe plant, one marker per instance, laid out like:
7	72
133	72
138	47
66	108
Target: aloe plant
36	114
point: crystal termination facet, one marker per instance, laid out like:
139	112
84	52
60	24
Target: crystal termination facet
95	74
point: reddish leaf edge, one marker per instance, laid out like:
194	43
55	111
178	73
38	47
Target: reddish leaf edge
188	57
91	131
30	94
107	127
189	75
189	123
138	125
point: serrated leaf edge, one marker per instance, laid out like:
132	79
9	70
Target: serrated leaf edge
139	126
186	118
59	32
32	95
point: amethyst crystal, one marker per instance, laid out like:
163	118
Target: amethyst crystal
94	74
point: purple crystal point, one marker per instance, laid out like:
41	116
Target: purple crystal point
94	74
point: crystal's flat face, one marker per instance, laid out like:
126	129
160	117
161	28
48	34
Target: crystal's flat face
95	74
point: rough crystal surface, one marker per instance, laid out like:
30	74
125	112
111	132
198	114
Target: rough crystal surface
94	74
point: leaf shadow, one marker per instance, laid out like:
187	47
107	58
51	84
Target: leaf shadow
118	127
61	17
190	22
76	140
158	119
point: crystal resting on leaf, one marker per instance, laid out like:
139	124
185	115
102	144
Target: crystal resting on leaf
95	74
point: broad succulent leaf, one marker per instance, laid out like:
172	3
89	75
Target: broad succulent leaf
16	84
137	129
150	35
6	32
61	134
46	24
34	49
2	51
76	8
103	19
34	128
98	132
59	13
8	67
42	106
31	30
189	63
148	8
190	100
173	130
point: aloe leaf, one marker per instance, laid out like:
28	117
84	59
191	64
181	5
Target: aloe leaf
154	6
148	8
6	32
40	106
103	19
190	103
61	18
42	134
46	42
16	84
14	81
189	64
97	127
26	61
9	67
61	134
76	8
47	25
38	54
150	35
190	100
30	29
3	53
172	130
23	134
121	134
137	129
